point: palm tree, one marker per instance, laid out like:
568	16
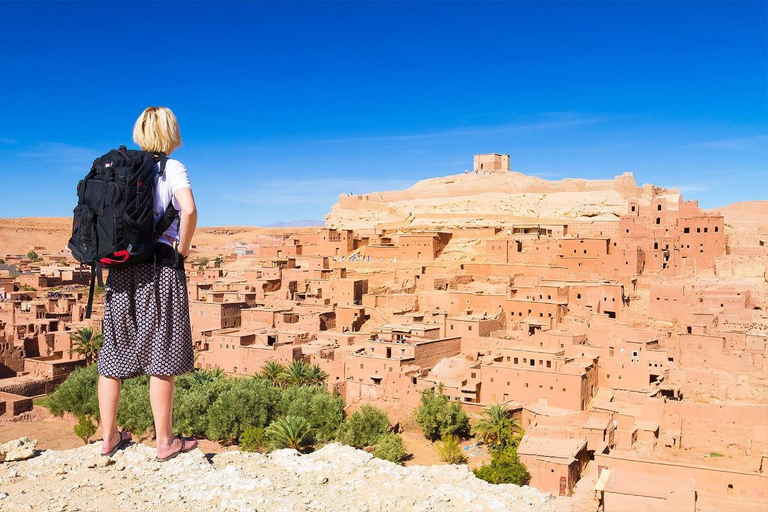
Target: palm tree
289	432
316	375
87	343
496	428
272	371
203	376
296	374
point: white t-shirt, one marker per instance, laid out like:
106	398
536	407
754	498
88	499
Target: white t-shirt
174	178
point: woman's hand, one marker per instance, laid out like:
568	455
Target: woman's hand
184	252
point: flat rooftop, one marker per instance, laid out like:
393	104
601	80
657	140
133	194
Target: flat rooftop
564	449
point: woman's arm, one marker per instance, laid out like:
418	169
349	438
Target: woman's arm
187	218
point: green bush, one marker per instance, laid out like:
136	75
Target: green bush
449	450
390	447
504	468
438	418
135	413
194	394
324	410
364	427
250	402
32	255
77	395
84	428
252	439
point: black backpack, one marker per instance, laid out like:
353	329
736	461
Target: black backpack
113	224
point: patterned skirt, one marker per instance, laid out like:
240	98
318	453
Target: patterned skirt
146	323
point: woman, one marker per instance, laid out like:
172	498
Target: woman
146	315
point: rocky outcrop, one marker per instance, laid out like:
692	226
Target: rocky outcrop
334	478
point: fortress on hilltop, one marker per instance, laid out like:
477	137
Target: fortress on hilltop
491	162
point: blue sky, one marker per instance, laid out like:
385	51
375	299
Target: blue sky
285	105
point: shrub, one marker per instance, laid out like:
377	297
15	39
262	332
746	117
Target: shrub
322	409
289	432
84	428
135	412
252	439
77	395
364	427
194	394
32	255
390	447
438	418
249	402
449	450
504	468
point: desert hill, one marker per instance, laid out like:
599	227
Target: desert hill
490	199
746	215
19	235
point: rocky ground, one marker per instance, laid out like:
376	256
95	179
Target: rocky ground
334	478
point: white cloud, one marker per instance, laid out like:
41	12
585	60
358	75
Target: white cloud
541	122
737	144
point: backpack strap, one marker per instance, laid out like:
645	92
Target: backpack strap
161	159
170	215
96	273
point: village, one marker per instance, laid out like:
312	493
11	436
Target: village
631	348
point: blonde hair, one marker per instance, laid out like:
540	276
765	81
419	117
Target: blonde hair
157	130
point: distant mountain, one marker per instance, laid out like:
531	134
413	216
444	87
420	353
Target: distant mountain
295	224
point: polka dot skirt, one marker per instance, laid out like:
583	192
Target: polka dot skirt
146	323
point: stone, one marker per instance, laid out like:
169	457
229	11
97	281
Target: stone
18	449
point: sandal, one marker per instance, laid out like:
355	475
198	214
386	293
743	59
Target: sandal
180	450
120	444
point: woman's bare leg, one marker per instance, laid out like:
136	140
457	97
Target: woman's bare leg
109	398
161	397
